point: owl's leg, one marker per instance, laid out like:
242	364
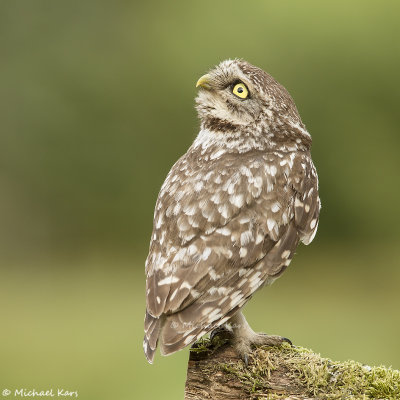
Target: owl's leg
244	338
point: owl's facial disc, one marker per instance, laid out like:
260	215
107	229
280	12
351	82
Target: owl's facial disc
236	94
226	98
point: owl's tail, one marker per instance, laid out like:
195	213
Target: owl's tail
152	326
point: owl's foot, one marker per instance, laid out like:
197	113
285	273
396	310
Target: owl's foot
244	339
245	344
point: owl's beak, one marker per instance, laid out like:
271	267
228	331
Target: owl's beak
204	82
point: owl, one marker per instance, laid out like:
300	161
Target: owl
230	213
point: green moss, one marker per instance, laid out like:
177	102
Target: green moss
206	345
318	376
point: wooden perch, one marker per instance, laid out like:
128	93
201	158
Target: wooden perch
215	372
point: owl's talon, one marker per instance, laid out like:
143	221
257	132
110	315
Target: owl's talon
263	339
220	331
287	341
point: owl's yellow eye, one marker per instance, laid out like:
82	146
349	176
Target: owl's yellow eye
240	90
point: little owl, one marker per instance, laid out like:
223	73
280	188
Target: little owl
231	211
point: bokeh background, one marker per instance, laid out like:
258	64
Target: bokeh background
96	104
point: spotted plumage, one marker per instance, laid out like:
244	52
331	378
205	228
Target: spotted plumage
231	211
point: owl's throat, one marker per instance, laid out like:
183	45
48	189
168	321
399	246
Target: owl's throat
215	124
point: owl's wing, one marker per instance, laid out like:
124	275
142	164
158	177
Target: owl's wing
221	298
244	236
307	204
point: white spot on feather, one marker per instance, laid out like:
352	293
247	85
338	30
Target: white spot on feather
190	209
258	182
180	255
271	224
186	285
245	171
259	238
246	237
290	161
159	221
275	207
298	203
177	208
206	253
173	294
224	210
217	197
237	200
236	298
213	275
198	186
285	254
224	231
217	154
215	314
168	280
212	290
192	250
222	290
255	279
243	252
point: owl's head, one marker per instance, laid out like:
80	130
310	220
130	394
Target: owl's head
236	94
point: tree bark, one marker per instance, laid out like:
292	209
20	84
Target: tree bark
215	372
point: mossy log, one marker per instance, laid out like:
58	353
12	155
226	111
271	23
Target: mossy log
215	372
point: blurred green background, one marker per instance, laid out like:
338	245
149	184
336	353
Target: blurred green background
96	104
